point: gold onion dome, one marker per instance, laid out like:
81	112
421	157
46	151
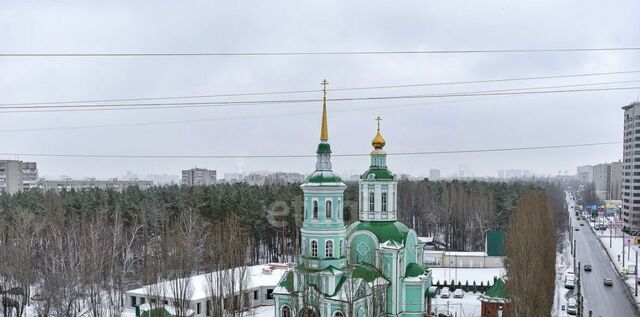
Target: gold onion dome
378	142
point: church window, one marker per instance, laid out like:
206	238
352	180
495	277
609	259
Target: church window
338	314
286	311
328	249
384	201
329	210
314	248
315	209
372	200
340	251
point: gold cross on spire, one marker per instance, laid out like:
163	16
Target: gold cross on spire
324	131
324	84
378	119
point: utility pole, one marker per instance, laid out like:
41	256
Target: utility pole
636	273
578	296
622	249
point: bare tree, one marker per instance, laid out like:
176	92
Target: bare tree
530	256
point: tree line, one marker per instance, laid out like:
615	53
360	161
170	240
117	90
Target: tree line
77	252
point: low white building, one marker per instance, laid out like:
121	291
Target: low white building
439	258
260	282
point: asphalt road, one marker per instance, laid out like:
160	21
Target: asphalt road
603	300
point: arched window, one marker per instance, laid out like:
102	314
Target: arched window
338	314
314	248
315	209
329	210
286	311
372	201
328	249
340	250
384	201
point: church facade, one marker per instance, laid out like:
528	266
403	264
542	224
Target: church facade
373	267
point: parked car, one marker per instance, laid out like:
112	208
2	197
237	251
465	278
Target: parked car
569	281
444	293
587	267
577	229
572	307
458	293
582	224
608	281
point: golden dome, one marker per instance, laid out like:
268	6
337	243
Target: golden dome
378	142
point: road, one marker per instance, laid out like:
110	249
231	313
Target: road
603	300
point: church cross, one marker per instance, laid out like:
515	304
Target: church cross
378	119
324	84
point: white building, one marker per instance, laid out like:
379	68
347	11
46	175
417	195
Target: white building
631	167
585	173
260	281
434	174
198	177
16	176
86	184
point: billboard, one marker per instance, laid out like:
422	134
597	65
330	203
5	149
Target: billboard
612	204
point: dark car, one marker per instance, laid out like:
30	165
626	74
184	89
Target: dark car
577	229
582	224
587	267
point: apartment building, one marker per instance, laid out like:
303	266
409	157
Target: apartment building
86	184
198	177
16	176
631	167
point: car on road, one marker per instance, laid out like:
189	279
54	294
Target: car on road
444	293
576	229
572	307
608	281
581	224
458	293
569	281
587	267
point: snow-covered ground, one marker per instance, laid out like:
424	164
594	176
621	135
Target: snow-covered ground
468	306
564	264
262	311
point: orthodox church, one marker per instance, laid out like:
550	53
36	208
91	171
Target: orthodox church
373	267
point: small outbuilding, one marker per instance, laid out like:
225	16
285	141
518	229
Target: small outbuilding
495	301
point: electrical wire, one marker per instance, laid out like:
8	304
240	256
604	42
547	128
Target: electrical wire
319	90
183	105
336	53
259	156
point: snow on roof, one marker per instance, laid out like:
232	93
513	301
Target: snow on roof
454	253
463	275
257	276
425	239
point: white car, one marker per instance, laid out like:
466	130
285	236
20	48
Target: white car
572	307
458	293
444	293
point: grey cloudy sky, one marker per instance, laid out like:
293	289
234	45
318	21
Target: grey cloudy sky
248	26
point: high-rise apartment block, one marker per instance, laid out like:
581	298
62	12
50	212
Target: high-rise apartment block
198	177
16	176
631	167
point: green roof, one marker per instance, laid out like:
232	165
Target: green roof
156	312
383	230
378	174
413	270
287	281
495	243
323	148
496	293
366	272
319	177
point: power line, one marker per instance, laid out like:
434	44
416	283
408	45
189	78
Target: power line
271	115
420	153
336	53
147	106
318	90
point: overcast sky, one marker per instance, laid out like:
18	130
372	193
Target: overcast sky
252	26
